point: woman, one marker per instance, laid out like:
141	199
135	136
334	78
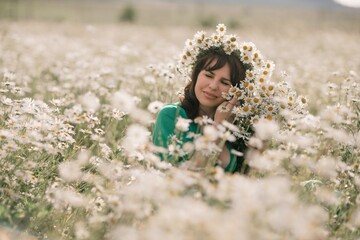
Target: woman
214	72
213	75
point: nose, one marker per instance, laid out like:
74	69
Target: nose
213	85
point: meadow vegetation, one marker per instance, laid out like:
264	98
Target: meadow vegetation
77	106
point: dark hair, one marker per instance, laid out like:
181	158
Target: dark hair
237	74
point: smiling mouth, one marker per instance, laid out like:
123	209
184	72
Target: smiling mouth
209	95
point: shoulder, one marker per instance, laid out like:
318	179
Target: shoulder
172	109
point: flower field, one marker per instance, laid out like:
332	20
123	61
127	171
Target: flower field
77	107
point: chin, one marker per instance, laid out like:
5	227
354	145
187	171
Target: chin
209	105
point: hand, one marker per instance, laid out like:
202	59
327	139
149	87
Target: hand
224	110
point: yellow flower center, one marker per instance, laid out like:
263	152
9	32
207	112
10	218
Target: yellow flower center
238	94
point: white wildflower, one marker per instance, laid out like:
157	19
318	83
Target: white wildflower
236	153
90	102
149	80
183	124
105	150
325	167
81	231
355	218
136	137
64	197
155	106
265	129
262	161
123	101
125	232
70	171
210	133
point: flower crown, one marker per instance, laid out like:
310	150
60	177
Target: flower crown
247	52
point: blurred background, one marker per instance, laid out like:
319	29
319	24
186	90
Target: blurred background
235	13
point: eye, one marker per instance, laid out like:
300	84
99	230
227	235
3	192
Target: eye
209	75
226	83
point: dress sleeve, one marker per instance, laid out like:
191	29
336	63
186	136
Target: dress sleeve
231	167
164	127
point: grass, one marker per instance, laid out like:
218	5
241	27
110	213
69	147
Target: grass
110	192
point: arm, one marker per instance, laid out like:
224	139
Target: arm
223	112
166	134
164	127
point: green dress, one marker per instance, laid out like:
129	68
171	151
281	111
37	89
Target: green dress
164	129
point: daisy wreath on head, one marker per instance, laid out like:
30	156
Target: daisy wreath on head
260	98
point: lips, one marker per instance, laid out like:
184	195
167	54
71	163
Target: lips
209	95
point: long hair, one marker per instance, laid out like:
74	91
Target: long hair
237	74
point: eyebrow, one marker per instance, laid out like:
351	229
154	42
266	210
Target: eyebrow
214	74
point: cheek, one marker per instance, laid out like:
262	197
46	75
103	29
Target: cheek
199	84
224	89
196	86
200	81
197	89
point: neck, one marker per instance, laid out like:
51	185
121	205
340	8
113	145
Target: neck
210	112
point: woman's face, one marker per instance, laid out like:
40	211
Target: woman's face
209	87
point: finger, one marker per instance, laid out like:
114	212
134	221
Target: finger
234	101
229	106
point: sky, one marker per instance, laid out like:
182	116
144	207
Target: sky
349	3
296	3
